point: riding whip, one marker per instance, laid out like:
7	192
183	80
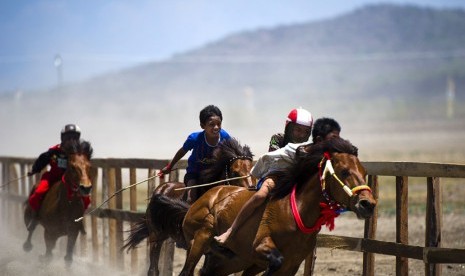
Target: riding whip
212	183
119	191
13	180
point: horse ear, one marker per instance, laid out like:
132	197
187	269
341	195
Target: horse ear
87	149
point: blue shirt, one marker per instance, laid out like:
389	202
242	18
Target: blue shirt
201	151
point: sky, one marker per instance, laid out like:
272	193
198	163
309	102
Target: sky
46	42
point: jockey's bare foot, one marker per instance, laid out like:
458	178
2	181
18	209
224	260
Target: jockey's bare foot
221	239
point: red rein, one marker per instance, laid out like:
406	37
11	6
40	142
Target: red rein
327	215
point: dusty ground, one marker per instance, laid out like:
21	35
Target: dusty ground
332	262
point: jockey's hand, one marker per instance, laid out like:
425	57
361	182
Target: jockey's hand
165	170
30	173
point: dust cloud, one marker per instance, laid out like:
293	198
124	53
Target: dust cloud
16	262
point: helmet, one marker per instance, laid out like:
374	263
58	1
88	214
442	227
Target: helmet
300	116
70	129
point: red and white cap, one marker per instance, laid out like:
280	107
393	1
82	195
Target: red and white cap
300	116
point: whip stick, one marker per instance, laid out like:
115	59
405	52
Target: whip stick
119	191
212	183
13	180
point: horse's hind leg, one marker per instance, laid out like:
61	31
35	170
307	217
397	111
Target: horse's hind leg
72	236
198	247
155	249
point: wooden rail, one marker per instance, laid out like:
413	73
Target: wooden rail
107	225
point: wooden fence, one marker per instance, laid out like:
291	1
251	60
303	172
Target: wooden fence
107	226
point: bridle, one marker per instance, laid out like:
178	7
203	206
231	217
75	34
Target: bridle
328	169
329	209
76	187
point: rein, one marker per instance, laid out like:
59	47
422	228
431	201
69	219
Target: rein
327	215
330	210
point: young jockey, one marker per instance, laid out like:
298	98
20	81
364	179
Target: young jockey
297	130
202	144
57	159
323	129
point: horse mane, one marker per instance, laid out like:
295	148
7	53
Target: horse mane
226	151
78	147
307	159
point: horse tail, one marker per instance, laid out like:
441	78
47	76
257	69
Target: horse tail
166	216
139	233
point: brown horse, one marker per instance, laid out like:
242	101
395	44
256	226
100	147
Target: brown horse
230	160
63	203
280	234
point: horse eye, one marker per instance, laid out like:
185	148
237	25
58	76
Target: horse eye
345	173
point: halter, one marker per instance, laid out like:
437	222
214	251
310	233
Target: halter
228	165
331	209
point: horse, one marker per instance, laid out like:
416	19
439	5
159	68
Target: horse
63	203
327	178
229	160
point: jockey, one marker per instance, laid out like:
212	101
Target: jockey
297	130
202	143
57	159
324	129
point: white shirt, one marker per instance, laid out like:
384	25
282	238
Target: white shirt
276	160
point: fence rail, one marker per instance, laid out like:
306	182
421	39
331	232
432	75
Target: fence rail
107	225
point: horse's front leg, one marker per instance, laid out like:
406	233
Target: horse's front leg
27	246
72	236
50	242
198	247
267	249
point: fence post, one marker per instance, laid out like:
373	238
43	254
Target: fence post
167	250
402	221
433	221
370	229
93	219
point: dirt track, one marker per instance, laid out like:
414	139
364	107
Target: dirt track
13	261
332	262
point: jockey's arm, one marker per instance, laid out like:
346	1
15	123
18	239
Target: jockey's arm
41	162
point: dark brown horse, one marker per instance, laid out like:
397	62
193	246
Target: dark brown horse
63	203
280	234
230	160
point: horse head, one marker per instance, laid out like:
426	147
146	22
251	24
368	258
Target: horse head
342	177
231	161
343	181
78	172
335	165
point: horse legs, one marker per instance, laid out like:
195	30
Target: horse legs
27	246
268	250
155	249
31	222
72	236
198	246
217	265
50	242
252	270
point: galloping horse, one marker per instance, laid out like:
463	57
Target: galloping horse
327	177
230	160
63	203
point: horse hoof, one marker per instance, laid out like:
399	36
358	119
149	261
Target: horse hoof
45	258
68	260
27	246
